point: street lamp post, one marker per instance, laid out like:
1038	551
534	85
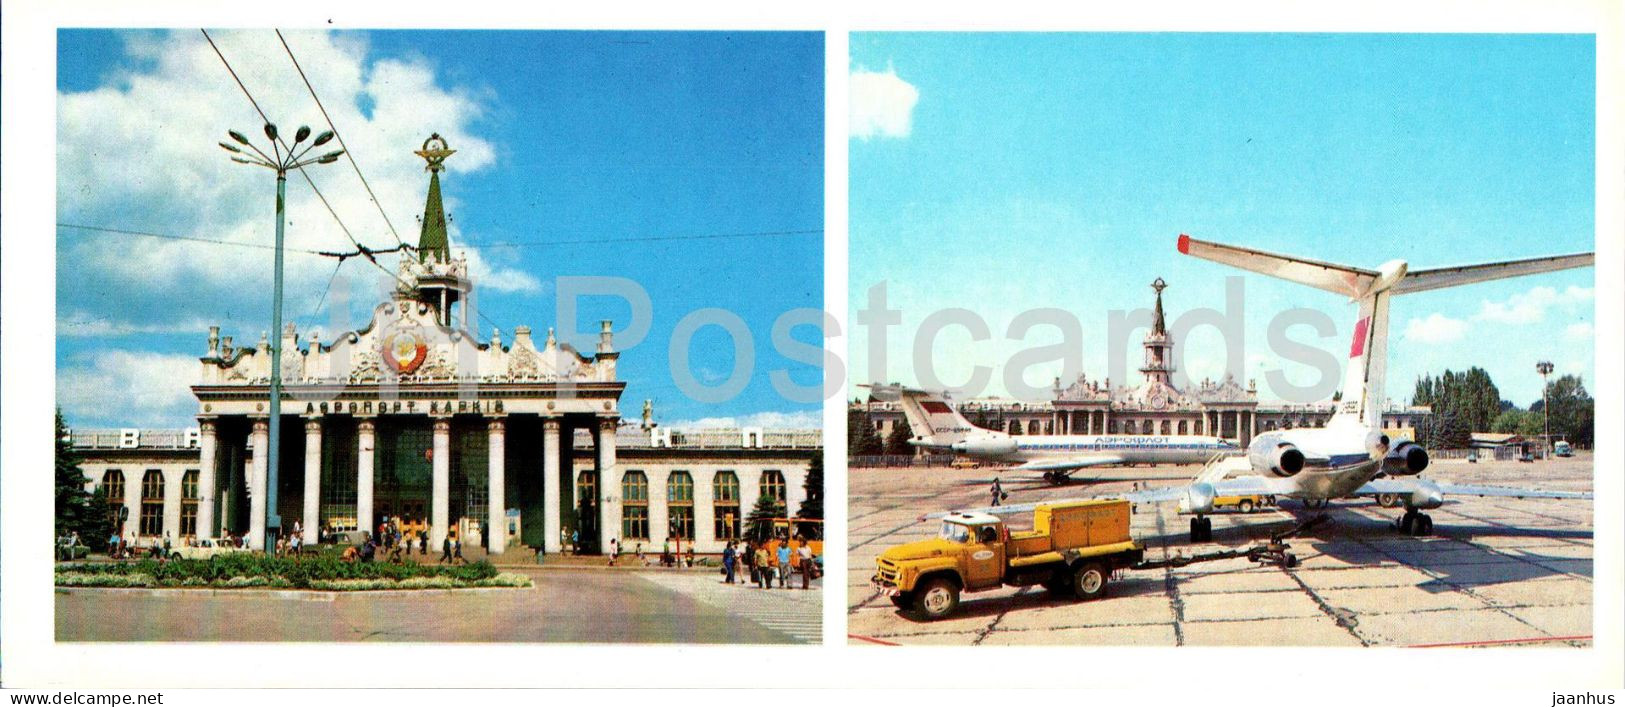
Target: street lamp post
280	162
1545	369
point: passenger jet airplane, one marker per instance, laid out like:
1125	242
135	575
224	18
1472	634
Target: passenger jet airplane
1350	456
938	426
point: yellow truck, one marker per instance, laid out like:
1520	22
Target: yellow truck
1073	548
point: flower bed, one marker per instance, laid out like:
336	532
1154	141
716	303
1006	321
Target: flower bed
254	570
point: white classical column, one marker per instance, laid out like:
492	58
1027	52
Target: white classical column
795	492
609	485
172	504
705	526
313	481
363	473
496	526
659	507
132	502
550	485
256	483
440	504
750	488
205	478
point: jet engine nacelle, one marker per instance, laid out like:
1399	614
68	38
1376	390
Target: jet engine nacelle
1427	495
1282	459
986	446
1405	459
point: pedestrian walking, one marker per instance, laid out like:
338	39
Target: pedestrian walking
457	552
998	491
805	555
728	563
784	565
445	550
763	580
614	550
575	542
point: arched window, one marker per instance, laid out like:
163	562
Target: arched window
634	506
189	498
152	503
680	505
1165	427
1032	427
113	484
1182	427
725	492
773	486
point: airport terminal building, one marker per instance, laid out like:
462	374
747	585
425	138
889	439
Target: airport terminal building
1155	407
414	417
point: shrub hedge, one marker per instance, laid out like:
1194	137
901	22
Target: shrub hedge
252	569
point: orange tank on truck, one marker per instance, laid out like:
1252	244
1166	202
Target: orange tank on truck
1072	550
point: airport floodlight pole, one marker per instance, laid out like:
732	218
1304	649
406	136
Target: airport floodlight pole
279	162
1545	368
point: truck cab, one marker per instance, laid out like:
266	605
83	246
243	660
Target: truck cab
1071	550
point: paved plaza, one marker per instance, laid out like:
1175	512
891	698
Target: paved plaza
1498	571
564	606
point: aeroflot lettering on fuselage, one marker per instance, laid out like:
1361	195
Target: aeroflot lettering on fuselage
1119	443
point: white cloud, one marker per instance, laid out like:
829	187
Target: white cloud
128	388
1579	331
881	104
1435	329
1531	307
86	324
139	153
807	419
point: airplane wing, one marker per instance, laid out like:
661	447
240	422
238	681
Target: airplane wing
1406	486
1067	465
1422	280
1340	279
1238	486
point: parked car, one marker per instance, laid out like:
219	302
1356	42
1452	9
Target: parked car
203	550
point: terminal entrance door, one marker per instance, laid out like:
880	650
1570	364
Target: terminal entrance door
403	477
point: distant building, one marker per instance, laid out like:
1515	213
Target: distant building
1155	407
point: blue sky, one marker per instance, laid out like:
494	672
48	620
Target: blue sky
1002	172
562	136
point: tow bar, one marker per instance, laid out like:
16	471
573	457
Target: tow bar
1275	552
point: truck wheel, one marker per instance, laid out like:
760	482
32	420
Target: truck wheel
937	598
1246	505
902	601
1089	581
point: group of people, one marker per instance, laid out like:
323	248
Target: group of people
397	547
120	547
764	563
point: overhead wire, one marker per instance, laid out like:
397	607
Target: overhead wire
348	153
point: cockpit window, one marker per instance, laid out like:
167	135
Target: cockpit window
954	532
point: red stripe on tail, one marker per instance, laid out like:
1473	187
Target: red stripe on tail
1358	347
935	407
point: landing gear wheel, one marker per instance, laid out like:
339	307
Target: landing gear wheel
1089	581
902	601
1201	529
1289	561
1424	525
1246	505
1388	500
1407	523
936	599
1316	504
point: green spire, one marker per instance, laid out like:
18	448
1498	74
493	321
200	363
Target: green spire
433	238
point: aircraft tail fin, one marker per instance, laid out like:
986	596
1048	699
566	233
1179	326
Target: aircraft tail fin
934	421
1363	383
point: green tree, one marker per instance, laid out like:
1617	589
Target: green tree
1573	412
759	523
77	510
1469	397
861	438
813	507
897	441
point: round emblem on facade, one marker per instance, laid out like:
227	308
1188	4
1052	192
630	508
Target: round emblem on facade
404	351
